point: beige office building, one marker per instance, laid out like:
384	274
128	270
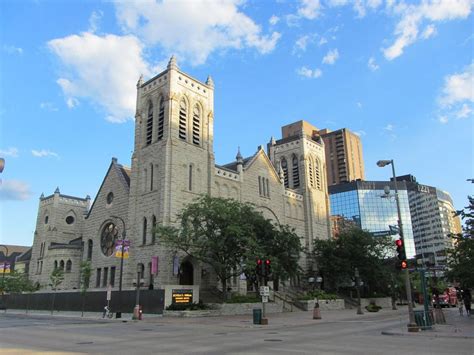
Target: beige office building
343	149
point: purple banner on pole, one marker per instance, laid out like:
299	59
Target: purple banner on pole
154	265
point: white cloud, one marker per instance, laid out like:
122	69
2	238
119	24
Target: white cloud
301	43
359	104
428	32
94	20
12	49
322	41
48	106
44	153
309	9
372	65
193	29
413	16
14	190
273	20
9	152
360	133
464	112
458	88
309	73
331	57
389	127
443	119
103	69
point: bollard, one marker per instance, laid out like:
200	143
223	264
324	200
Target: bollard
316	311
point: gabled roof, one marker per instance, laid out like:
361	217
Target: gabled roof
123	173
24	256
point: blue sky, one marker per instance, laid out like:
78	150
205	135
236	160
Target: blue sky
400	74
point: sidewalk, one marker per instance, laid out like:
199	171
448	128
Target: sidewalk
456	327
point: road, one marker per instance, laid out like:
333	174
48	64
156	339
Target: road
339	332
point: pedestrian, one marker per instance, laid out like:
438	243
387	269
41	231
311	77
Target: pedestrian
459	295
467	301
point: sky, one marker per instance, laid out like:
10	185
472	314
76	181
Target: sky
397	73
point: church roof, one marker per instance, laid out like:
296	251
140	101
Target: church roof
233	166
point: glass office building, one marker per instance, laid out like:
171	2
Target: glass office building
366	204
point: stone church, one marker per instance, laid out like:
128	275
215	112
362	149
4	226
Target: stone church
173	164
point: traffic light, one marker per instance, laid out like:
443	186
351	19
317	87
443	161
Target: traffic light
259	268
401	254
268	267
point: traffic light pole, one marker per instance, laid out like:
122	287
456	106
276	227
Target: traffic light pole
412	327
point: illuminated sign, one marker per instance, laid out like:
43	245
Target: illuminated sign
182	296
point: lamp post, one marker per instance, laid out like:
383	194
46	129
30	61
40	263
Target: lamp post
124	234
357	281
412	327
136	311
3	273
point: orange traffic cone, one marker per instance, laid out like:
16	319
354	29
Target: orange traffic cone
316	311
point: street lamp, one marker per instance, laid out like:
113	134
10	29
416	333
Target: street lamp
123	237
412	327
357	281
136	311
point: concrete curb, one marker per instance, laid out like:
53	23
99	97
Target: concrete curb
424	334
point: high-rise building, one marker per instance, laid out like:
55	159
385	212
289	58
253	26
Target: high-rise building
367	205
433	219
343	149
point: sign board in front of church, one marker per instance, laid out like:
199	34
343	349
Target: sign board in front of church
182	296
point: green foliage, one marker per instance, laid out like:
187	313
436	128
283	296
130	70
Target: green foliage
318	295
372	307
244	299
229	236
86	271
188	307
337	260
56	278
461	257
16	283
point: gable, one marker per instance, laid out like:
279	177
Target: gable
260	160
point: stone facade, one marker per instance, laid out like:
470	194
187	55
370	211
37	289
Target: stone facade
172	165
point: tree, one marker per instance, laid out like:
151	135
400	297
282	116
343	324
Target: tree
229	236
86	270
336	260
461	258
16	283
56	278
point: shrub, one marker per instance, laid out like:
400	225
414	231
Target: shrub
318	294
244	299
372	307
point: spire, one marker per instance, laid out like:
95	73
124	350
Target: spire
140	81
281	173
272	140
172	63
57	190
114	160
209	81
239	156
42	196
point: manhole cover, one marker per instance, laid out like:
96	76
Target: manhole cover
272	340
220	333
146	330
85	342
272	333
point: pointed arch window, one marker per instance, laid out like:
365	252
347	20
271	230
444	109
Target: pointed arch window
284	166
190	178
295	172
182	119
196	125
317	175
149	124
151	177
268	188
61	265
68	266
89	249
55	264
153	226
260	185
311	171
144	231
161	119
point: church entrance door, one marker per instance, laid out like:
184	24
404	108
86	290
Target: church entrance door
186	276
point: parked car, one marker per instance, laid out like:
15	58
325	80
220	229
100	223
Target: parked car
446	299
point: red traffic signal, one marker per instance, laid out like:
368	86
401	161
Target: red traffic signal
267	262
404	264
399	243
259	262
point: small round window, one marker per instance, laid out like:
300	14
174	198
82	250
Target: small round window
69	219
46	220
110	198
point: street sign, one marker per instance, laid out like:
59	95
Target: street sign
264	291
264	299
381	233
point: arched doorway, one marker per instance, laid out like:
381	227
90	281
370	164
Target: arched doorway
186	275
